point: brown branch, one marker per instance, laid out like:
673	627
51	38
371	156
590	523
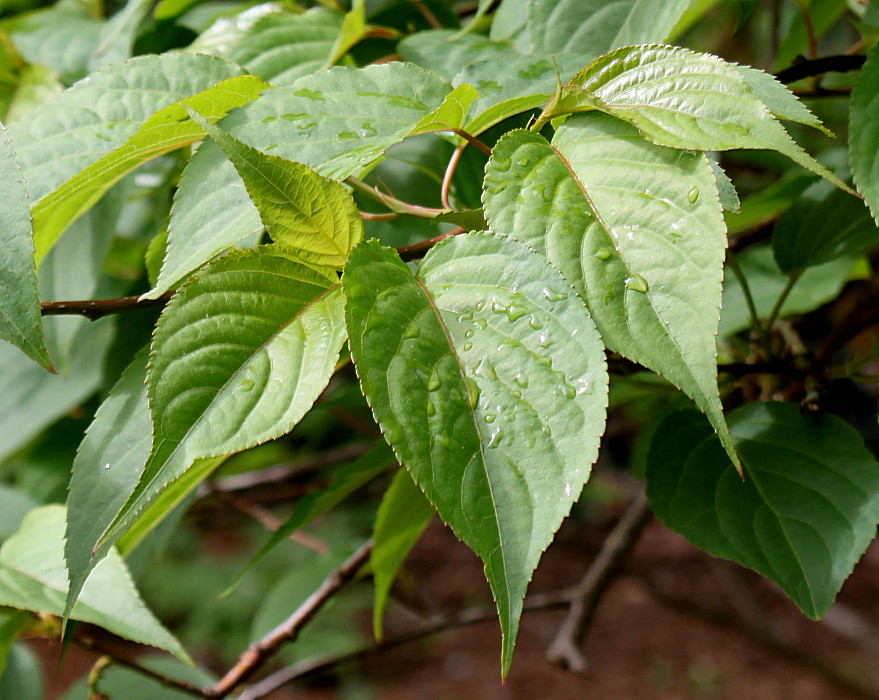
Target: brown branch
449	174
418	250
429	17
259	652
565	648
473	141
817	66
95	309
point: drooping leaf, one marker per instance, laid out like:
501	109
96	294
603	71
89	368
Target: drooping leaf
597	26
166	130
258	334
310	216
402	516
106	470
803	515
346	481
33	577
487	378
20	320
779	99
823	225
353	29
817	286
687	100
337	122
726	191
279	47
864	133
636	228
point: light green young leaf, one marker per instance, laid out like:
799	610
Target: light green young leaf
636	228
402	516
353	29
36	86
98	115
597	26
451	114
106	470
682	99
20	320
823	225
346	480
165	131
12	624
33	577
864	133
279	47
817	286
488	379
310	216
803	515
259	335
337	122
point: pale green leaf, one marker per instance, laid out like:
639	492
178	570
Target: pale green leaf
510	23
779	99
402	516
823	225
636	228
864	133
488	379
239	356
353	29
22	679
726	191
337	122
166	130
20	320
447	51
803	515
36	86
98	115
597	26
451	114
683	99
817	286
310	216
33	577
277	46
118	34
106	470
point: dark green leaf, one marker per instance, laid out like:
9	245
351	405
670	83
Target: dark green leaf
804	513
864	133
487	378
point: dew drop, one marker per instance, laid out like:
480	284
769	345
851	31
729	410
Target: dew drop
521	380
553	295
495	439
535	323
523	162
693	195
434	382
480	305
568	391
431	409
603	253
636	283
106	466
489	418
468	333
246	385
468	347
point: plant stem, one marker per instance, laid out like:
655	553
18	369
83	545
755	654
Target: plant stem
842	63
418	250
756	327
95	309
776	310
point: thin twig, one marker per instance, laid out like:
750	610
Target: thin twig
387	216
473	141
842	63
810	28
449	174
95	309
429	17
757	328
418	250
776	309
565	648
253	659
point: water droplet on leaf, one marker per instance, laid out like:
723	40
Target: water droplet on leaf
636	283
603	253
693	195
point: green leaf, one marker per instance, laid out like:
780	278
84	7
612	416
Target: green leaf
20	320
36	86
337	122
446	51
682	99
353	29
815	287
279	47
33	577
166	130
22	678
726	191
514	84
636	228
824	225
803	515
779	99
258	334
451	114
106	471
310	216
118	34
768	203
510	23
488	379
402	516
597	26
345	481
864	133
11	627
